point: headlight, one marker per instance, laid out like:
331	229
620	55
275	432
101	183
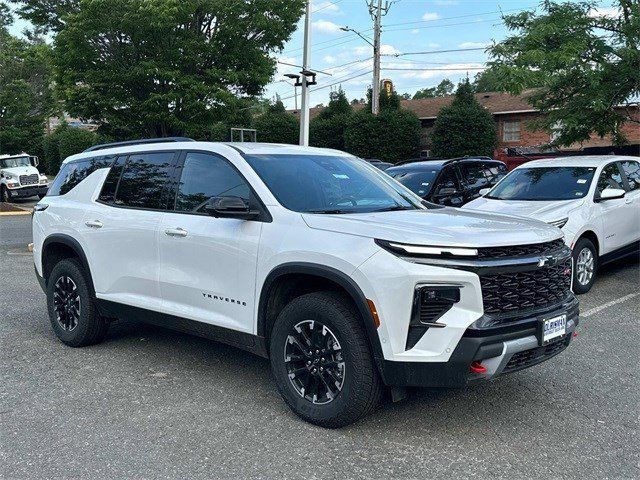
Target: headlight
559	223
8	177
427	251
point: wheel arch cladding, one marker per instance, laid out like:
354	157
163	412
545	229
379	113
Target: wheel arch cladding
590	235
290	280
58	247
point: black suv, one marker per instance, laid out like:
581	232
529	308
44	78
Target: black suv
453	181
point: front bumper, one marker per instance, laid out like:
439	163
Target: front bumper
29	191
504	349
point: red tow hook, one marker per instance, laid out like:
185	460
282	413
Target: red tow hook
477	367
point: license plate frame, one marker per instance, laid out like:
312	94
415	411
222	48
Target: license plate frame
553	329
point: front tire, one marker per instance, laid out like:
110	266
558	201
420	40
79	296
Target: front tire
321	361
72	311
585	265
5	196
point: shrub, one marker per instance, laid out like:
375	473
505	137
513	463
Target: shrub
63	142
275	125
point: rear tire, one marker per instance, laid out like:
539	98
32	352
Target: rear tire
585	265
72	311
349	374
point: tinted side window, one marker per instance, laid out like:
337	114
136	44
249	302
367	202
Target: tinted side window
610	178
71	174
108	192
143	179
205	176
632	171
474	174
446	181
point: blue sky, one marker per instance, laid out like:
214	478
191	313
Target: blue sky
410	26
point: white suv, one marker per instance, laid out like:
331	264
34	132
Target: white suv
311	257
594	199
19	177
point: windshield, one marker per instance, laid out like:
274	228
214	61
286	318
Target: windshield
327	184
418	182
15	162
548	183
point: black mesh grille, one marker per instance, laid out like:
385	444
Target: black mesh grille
430	311
29	179
527	358
520	291
519	250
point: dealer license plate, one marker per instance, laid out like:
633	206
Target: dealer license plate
553	328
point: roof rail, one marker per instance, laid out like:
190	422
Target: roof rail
143	141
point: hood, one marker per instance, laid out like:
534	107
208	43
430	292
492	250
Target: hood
547	211
439	227
17	171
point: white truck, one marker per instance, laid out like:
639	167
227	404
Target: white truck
20	178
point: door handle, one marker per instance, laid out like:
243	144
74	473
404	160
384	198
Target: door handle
94	224
176	232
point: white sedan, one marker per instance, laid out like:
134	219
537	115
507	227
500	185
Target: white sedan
595	200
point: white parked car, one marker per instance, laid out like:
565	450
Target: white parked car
595	200
19	177
311	257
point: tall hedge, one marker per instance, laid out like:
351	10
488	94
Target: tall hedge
276	125
327	129
63	142
392	135
464	128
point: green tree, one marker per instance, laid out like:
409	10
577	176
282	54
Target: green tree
276	125
327	129
585	64
444	88
166	67
25	89
47	15
464	128
63	142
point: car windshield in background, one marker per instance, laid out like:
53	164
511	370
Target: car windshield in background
418	182
15	162
327	184
546	183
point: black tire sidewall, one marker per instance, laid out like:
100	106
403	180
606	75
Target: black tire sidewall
334	413
4	192
580	245
79	335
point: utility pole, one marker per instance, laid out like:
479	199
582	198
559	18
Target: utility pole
377	11
304	96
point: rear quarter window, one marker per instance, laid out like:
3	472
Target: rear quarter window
72	173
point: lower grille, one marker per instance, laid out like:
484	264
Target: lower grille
530	357
29	179
504	293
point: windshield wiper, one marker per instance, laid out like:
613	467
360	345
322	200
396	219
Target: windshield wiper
328	211
395	208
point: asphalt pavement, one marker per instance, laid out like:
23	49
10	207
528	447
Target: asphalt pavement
152	403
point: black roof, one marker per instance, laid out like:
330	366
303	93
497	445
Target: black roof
438	163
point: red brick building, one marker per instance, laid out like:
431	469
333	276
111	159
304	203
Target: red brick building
512	114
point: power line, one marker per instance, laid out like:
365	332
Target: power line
433	52
463	69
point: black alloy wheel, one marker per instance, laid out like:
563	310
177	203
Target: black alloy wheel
315	365
67	303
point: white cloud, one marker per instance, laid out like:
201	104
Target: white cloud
474	45
604	12
329	59
433	45
430	16
325	26
415	31
388	50
325	7
442	70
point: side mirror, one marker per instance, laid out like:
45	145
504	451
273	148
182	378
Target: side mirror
612	193
34	161
483	191
230	207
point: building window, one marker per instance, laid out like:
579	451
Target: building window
511	131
